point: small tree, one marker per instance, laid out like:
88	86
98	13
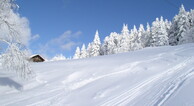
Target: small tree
77	53
134	39
124	40
95	46
89	50
84	53
147	36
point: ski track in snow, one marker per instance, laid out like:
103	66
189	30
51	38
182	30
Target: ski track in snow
125	68
127	96
175	85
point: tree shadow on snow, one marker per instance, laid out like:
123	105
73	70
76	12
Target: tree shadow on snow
5	81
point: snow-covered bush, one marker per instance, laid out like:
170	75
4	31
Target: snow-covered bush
58	57
16	60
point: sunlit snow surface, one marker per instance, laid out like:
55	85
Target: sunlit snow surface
148	77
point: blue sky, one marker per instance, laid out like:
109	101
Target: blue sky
58	26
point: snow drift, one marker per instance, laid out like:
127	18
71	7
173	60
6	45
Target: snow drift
147	77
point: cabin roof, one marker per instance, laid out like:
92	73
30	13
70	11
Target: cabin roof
35	56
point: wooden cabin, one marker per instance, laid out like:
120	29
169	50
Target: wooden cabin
36	58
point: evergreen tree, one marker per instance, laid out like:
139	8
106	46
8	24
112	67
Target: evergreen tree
111	44
168	25
142	38
159	33
134	39
188	36
89	50
83	53
147	35
77	53
191	18
95	45
180	25
124	42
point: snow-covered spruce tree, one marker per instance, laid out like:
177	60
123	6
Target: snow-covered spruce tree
88	49
124	42
83	53
77	53
188	36
14	33
115	40
134	39
180	24
95	46
191	18
159	33
141	37
104	49
111	44
147	36
168	25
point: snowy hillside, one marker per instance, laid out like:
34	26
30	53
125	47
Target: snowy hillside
147	77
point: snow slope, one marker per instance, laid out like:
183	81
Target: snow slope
148	77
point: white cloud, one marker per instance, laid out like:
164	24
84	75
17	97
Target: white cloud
62	43
66	37
35	37
68	45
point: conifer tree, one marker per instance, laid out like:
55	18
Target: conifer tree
95	45
146	41
124	42
188	35
134	38
180	25
111	44
159	33
83	53
89	50
77	53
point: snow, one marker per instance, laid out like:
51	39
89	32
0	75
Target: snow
149	77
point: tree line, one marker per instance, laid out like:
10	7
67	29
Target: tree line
161	33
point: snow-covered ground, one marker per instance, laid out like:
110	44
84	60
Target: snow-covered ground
148	77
